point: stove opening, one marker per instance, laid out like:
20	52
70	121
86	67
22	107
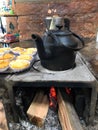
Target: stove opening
57	104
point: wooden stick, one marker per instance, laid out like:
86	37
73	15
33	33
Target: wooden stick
3	120
62	106
67	113
38	109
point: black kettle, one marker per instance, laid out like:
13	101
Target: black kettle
57	49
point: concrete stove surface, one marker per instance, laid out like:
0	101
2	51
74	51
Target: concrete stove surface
80	73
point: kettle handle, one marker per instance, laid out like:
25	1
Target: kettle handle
67	26
49	33
82	42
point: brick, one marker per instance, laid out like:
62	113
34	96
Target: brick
82	14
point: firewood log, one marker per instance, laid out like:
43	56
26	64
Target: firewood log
38	109
63	113
67	114
3	120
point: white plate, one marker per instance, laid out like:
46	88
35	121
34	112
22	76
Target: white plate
4	69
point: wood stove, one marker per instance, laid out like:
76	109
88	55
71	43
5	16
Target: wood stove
79	76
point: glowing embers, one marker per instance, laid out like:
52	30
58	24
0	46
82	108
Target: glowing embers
53	98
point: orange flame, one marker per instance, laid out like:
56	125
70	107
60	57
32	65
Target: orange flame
53	97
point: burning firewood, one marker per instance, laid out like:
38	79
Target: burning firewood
53	98
38	109
63	114
67	115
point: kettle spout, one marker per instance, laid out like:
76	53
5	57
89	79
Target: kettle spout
40	47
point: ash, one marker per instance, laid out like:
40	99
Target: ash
51	123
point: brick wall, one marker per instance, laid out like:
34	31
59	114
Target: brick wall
82	14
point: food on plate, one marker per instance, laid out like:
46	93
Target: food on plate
25	57
7	56
3	50
18	50
19	64
4	64
29	51
16	59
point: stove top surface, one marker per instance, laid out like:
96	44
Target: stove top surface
38	67
79	73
